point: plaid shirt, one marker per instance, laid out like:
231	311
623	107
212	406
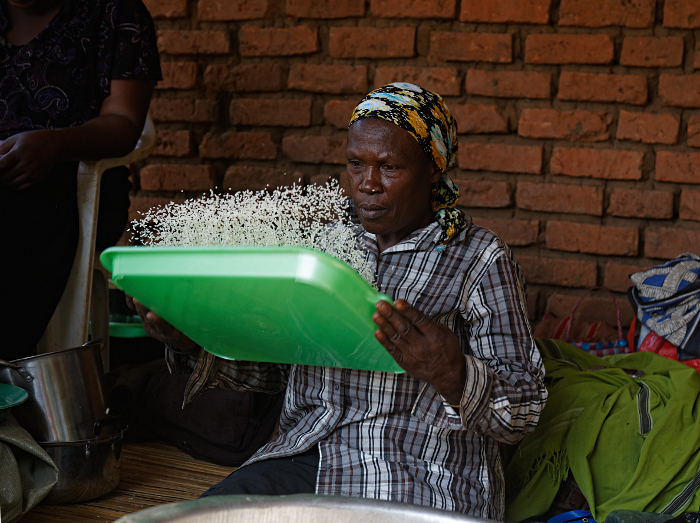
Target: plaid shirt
390	436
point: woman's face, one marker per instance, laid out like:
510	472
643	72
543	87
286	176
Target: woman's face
390	178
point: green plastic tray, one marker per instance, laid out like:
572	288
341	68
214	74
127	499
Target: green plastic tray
270	304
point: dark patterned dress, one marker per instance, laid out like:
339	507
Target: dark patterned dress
60	79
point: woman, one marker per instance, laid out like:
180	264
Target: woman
459	329
76	78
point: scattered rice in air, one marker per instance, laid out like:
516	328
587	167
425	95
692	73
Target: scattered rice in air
315	216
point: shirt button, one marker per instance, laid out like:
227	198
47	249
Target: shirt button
336	386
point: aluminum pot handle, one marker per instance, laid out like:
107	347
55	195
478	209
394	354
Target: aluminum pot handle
20	370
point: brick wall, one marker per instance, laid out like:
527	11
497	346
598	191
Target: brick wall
579	119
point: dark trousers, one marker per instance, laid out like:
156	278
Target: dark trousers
272	477
38	239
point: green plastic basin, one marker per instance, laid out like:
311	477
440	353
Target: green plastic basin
270	304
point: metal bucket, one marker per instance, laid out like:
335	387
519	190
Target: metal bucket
67	414
66	394
86	469
301	508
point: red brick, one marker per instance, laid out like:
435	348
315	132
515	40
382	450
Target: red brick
602	13
500	157
216	10
669	242
472	47
178	75
677	167
335	79
338	112
588	87
442	80
325	8
140	205
182	110
679	90
315	149
514	232
244	77
558	271
592	239
606	164
648	127
652	51
372	42
413	8
617	276
167	8
550	197
694	131
478	119
282	112
173	143
272	41
176	177
484	194
696	64
682	13
245	178
569	49
577	125
633	203
509	84
592	308
252	145
499	11
319	179
172	41
690	205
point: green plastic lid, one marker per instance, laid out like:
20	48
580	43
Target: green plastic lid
9	397
270	304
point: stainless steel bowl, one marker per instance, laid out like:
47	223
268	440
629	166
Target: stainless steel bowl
302	508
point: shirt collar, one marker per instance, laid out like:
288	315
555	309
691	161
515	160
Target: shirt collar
425	239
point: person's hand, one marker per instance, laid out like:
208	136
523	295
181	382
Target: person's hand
427	350
26	158
158	328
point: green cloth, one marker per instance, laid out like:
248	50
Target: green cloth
27	473
631	443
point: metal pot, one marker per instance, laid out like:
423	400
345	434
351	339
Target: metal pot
86	469
299	508
66	394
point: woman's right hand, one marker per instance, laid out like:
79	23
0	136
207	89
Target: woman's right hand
26	158
159	329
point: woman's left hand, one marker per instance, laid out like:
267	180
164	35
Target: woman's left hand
27	158
427	350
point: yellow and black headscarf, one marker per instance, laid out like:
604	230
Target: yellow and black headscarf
424	115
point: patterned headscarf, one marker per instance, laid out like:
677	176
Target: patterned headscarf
424	115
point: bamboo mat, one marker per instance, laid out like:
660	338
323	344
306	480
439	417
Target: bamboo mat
152	474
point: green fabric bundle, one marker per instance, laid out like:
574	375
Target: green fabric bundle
631	443
27	473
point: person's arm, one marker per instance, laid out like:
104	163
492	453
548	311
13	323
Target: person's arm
498	389
28	157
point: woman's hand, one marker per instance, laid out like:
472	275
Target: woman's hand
427	350
161	330
27	158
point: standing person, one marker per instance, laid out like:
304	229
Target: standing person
458	327
76	79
